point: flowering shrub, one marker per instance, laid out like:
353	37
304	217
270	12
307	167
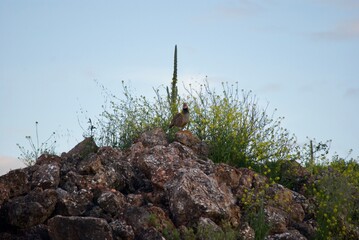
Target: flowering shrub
336	192
237	130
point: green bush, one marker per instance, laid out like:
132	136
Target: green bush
237	130
336	194
123	119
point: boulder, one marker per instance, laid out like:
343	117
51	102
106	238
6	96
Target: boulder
38	232
195	191
289	235
288	201
277	220
153	138
121	231
112	202
247	232
188	139
90	165
78	228
14	183
228	176
82	149
73	203
46	176
49	158
160	164
138	218
32	209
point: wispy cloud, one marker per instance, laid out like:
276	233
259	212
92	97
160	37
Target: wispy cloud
343	31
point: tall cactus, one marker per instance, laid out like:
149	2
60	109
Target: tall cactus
173	95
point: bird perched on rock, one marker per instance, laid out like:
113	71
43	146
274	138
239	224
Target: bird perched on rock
182	118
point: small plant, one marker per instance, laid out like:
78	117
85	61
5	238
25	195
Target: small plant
257	220
90	131
315	154
163	226
36	149
210	233
253	203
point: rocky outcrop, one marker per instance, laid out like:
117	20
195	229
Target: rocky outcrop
153	190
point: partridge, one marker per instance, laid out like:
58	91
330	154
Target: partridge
181	119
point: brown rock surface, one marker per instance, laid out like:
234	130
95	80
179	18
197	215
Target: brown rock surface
78	228
153	190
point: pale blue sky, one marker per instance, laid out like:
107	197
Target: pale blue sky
300	56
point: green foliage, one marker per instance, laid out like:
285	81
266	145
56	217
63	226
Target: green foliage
208	232
336	194
166	228
257	220
123	119
315	154
200	232
238	131
252	204
337	213
28	157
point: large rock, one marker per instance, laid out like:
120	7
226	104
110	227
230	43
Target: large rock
73	203
38	232
83	149
188	139
196	192
78	228
14	183
277	219
32	209
289	235
121	230
137	217
112	202
287	200
49	158
46	176
160	163
153	138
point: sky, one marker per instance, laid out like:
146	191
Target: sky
301	57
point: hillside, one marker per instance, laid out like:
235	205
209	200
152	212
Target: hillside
153	190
